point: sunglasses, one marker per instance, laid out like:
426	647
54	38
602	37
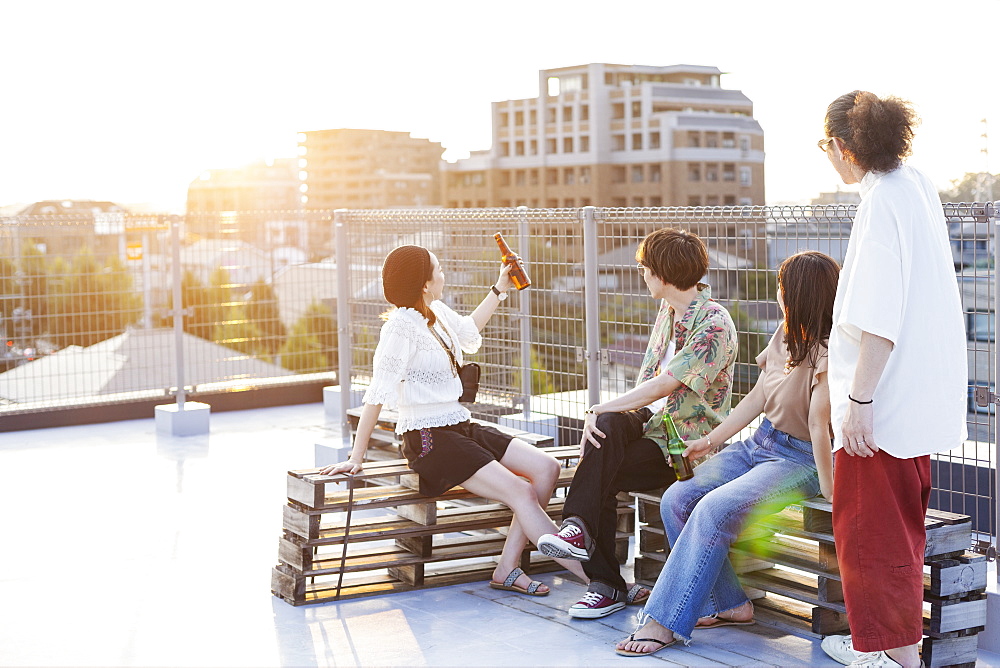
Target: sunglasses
641	267
824	143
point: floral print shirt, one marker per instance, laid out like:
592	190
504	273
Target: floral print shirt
706	344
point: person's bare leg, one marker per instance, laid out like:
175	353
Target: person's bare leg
543	472
908	657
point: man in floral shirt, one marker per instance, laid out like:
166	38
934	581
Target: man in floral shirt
687	370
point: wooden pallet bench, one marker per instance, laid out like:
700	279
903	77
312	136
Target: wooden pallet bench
788	564
399	539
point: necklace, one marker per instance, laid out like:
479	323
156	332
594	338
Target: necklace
788	365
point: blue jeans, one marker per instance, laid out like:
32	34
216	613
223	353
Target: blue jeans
704	515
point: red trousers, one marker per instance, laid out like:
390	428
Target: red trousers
879	505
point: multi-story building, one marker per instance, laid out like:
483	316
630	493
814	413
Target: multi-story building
617	135
257	204
368	169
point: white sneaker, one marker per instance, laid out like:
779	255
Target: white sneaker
841	649
880	659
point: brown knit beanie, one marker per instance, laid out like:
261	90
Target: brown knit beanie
404	273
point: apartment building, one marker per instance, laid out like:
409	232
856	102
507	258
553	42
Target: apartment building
368	169
617	135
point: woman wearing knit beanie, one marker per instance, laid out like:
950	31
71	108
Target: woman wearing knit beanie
413	371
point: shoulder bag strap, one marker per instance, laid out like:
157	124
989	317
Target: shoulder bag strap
447	349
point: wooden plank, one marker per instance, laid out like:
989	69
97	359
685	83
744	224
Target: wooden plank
958	576
791	584
955	615
960	651
948	538
797	554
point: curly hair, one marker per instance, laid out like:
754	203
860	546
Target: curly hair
877	132
808	282
674	256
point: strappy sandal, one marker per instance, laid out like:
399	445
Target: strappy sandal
662	645
718	622
633	598
508	585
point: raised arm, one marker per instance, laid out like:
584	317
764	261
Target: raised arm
485	310
366	425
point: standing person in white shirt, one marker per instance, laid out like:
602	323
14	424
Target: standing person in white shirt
413	370
898	377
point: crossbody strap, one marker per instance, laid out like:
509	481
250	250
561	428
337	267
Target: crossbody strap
447	349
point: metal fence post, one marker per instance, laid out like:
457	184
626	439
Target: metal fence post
175	247
342	254
591	302
996	375
524	245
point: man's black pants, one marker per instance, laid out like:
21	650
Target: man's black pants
625	462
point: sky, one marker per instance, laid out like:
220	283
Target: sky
130	101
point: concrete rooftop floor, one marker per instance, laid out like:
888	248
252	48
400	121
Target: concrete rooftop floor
125	548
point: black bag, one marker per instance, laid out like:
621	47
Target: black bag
468	374
470	382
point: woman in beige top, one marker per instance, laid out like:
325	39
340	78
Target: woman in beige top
787	459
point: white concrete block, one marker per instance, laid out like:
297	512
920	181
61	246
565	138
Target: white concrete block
989	639
331	399
190	421
539	423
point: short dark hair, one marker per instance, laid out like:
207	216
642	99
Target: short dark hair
877	132
808	281
674	256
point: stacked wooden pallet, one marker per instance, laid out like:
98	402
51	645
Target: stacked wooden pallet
399	539
791	557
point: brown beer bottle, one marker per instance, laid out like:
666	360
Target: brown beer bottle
517	273
675	446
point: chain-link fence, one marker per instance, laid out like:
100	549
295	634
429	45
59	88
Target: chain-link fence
88	315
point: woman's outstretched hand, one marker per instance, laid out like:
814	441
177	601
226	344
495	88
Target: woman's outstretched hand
504	283
697	448
348	467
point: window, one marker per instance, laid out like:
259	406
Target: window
728	172
618	201
617	142
729	200
532	116
636	109
550	145
584	112
584	143
712	200
694	139
550	115
481	203
567	144
569	176
638	201
694	173
519	147
744	144
618	110
467	204
552	203
504	149
637	176
618	174
532	177
569	203
637	141
655	200
694	200
518	118
711	140
655	175
567	114
746	201
584	201
711	172
585	175
728	140
505	203
504	119
745	179
654	140
504	178
533	147
551	177
520	177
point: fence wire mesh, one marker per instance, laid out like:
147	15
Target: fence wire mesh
87	308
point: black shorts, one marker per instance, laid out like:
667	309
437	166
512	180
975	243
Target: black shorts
447	456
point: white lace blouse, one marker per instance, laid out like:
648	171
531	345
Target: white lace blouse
413	373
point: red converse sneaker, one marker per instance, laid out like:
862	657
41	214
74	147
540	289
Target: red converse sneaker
572	542
594	605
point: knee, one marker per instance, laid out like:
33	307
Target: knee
519	492
548	470
676	502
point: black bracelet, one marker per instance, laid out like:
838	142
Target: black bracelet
863	403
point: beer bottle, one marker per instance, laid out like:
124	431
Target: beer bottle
675	446
517	273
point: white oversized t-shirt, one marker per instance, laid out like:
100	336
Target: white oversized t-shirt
898	282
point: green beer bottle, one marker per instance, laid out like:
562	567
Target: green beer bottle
675	446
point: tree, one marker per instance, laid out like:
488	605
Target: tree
205	305
302	352
238	332
973	187
91	302
541	379
262	311
759	285
321	324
